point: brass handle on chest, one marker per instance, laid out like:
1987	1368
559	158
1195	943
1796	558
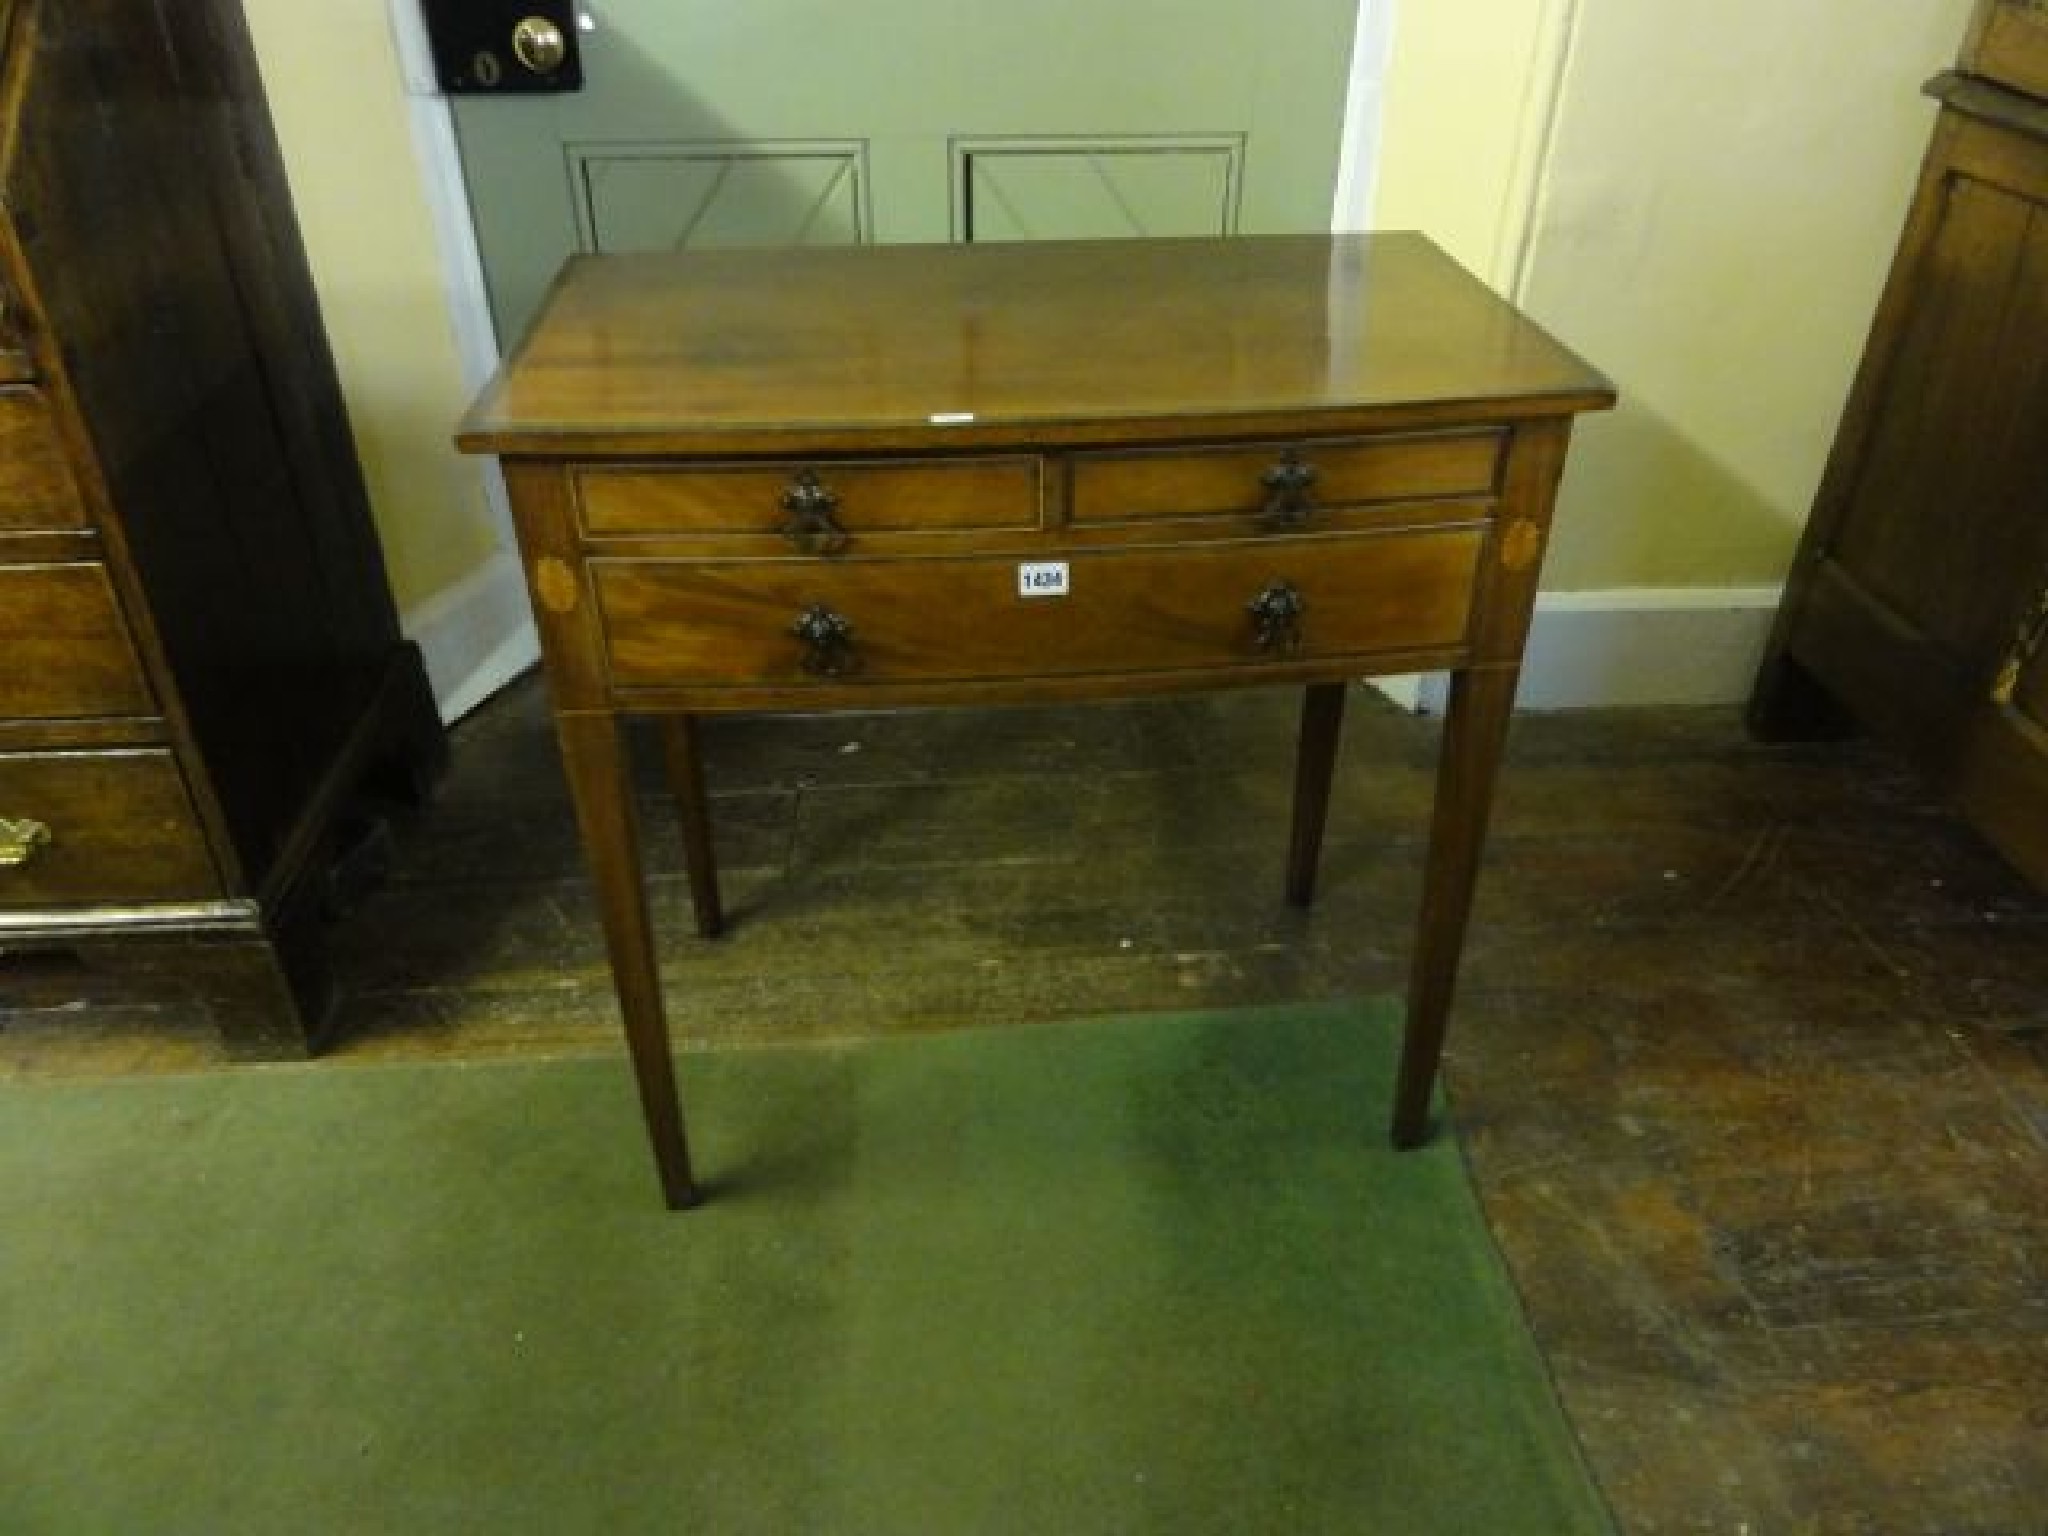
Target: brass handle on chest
827	639
20	840
1276	619
1287	485
810	525
2028	644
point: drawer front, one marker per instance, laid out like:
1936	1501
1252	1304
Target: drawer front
1241	480
68	652
36	488
15	362
789	500
1125	611
98	829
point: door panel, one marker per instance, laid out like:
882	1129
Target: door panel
817	121
1084	189
1970	368
655	197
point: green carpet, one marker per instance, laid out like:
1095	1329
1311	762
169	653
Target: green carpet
1143	1274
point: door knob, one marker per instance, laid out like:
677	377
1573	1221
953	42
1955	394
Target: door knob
539	44
505	47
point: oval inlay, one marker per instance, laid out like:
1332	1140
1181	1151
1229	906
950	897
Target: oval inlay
555	583
1520	544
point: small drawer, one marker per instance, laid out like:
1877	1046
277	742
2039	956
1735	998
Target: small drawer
68	653
36	488
1317	474
1124	611
817	508
98	829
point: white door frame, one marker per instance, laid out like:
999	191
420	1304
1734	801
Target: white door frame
1358	156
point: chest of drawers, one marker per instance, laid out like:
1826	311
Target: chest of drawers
1918	605
200	665
949	476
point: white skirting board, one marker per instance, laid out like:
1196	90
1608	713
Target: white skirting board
475	636
1631	647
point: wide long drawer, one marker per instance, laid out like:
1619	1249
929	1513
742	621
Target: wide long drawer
98	829
67	650
1108	611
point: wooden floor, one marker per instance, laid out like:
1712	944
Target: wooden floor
1751	1061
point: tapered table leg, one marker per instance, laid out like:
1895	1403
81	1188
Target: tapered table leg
1475	728
1315	762
686	786
593	751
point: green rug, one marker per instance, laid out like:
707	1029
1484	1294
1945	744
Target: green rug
1143	1274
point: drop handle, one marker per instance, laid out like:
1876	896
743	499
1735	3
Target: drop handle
827	639
21	839
1276	615
2031	642
1287	484
539	44
808	523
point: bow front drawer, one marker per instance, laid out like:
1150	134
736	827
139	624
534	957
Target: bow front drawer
1104	612
815	506
98	829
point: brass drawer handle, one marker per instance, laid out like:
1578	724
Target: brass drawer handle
828	642
2029	643
1287	485
20	840
1276	619
810	525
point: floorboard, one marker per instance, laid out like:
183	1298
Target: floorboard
1751	1058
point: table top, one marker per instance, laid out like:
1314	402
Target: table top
925	347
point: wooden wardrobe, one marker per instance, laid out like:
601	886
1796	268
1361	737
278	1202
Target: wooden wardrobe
201	674
1918	607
